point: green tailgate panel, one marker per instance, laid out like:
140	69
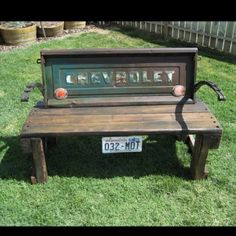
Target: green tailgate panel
117	72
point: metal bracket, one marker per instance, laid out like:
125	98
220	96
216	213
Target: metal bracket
28	89
218	91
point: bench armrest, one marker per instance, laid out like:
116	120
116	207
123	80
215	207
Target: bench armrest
28	89
219	92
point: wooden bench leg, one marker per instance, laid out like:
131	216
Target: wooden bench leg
39	160
199	156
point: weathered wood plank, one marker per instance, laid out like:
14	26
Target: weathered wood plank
158	127
121	120
84	119
150	109
26	145
190	141
199	156
39	160
214	141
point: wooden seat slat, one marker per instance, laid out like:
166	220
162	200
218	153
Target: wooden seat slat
73	121
86	119
148	109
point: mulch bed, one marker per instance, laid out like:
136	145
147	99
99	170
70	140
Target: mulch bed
88	28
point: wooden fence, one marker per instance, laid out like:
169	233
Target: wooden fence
220	35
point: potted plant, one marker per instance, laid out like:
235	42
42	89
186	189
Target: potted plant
18	32
51	28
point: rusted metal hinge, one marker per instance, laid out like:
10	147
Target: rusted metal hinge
40	60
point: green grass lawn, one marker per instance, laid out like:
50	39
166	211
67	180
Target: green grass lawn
86	188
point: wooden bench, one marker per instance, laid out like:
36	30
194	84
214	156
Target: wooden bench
115	109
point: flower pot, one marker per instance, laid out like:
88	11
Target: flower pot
51	28
74	24
18	34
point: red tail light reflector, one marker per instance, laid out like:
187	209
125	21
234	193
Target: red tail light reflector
61	93
178	90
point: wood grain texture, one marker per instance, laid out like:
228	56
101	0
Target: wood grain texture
39	160
159	119
129	109
199	156
26	145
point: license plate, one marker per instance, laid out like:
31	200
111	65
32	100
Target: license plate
122	144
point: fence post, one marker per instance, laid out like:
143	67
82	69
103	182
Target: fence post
165	29
232	38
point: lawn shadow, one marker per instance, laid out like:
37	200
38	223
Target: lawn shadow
14	164
82	157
